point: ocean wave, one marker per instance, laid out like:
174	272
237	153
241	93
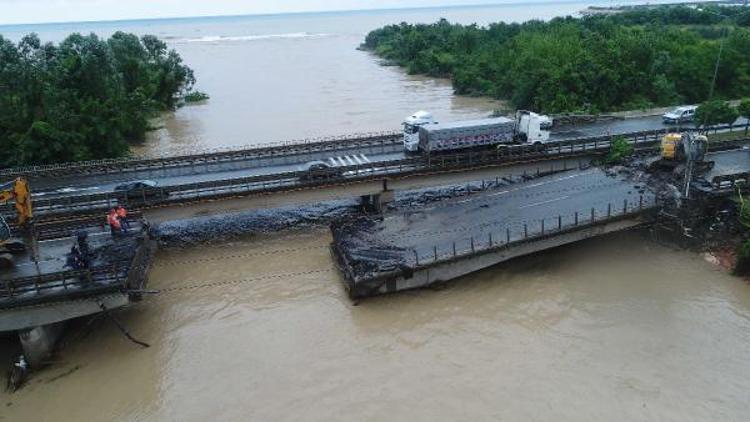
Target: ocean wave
223	38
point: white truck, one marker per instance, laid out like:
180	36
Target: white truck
423	134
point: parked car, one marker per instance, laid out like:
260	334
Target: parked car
315	170
680	115
138	190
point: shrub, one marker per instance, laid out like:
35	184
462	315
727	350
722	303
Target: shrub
619	150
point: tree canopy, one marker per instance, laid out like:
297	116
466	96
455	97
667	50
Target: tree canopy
84	98
715	112
640	58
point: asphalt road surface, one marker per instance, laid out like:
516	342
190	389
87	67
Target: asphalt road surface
511	207
55	187
728	162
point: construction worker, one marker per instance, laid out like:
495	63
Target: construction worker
74	260
122	215
114	222
83	248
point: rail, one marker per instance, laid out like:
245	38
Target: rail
285	181
514	235
268	150
731	181
66	285
290	148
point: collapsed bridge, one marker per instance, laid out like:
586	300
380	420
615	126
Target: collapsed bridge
419	247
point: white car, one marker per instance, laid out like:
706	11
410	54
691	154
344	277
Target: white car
680	115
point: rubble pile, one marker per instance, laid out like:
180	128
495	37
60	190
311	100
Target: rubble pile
217	228
222	227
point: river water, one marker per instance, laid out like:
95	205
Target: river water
261	329
276	78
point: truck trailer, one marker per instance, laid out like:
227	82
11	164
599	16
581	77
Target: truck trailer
423	134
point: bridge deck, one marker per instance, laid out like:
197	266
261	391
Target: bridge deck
728	162
51	278
372	250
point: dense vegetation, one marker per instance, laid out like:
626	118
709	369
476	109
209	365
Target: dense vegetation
84	98
635	59
743	254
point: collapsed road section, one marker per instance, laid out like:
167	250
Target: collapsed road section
426	245
66	273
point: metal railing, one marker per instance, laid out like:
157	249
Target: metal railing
275	149
536	230
731	181
222	155
71	284
286	181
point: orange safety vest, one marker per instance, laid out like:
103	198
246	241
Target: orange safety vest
113	221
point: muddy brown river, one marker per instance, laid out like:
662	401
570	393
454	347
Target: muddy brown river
261	329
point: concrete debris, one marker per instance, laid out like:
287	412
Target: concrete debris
219	228
181	233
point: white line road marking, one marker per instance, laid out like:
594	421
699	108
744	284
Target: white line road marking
536	184
545	202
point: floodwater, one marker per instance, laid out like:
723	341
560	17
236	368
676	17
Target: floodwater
261	329
286	77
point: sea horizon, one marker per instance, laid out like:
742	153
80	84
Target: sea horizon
179	19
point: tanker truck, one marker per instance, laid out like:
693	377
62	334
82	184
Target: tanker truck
423	134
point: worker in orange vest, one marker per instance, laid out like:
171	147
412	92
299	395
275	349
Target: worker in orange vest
114	222
122	215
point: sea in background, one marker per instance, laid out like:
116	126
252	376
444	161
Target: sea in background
261	329
298	76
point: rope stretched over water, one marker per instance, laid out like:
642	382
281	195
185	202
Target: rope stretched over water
235	256
245	280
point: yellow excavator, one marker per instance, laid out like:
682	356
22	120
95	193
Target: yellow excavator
676	148
18	191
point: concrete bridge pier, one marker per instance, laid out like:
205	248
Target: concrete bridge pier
39	342
378	201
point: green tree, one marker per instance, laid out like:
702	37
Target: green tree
715	112
619	150
84	98
642	57
743	253
743	109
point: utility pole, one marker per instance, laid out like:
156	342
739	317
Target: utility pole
689	146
